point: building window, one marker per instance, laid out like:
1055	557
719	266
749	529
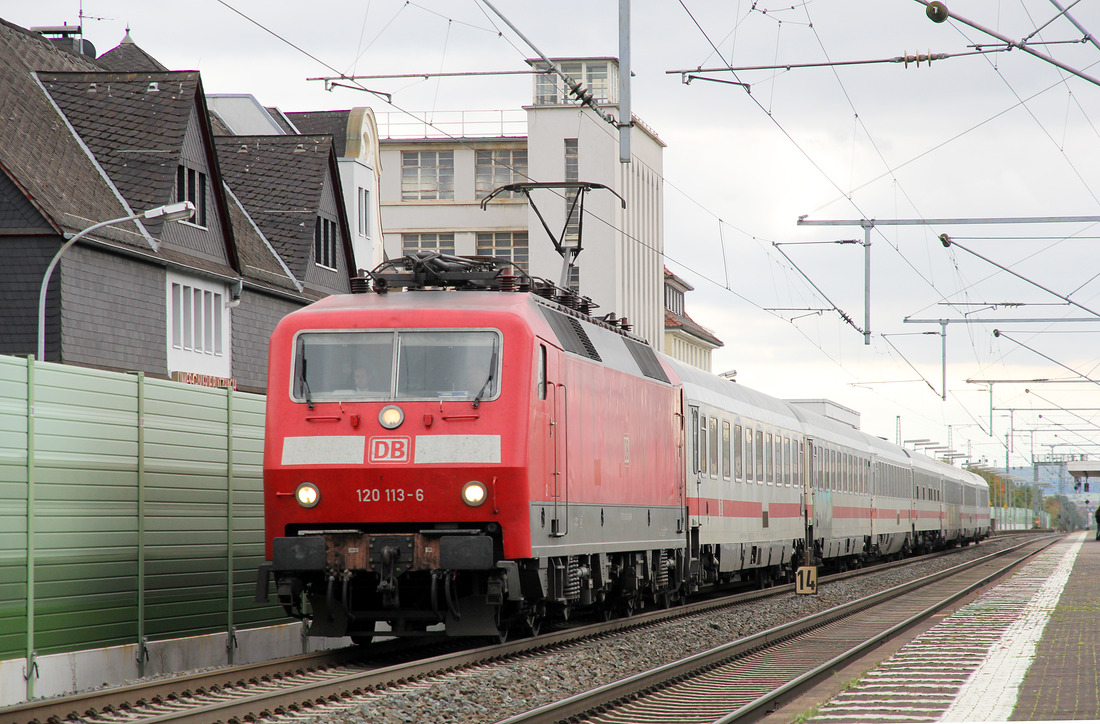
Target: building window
674	300
499	167
599	76
324	242
427	175
191	186
443	243
198	320
364	212
572	173
574	281
509	245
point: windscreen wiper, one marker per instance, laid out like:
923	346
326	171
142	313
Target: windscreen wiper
305	385
489	379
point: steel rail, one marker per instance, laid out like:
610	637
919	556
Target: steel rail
328	670
604	699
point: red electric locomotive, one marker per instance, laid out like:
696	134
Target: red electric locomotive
486	460
471	458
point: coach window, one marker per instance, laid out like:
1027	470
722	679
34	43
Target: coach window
769	452
750	467
695	439
760	456
783	467
725	449
703	445
785	473
713	431
738	459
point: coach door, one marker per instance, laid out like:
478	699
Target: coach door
821	479
557	393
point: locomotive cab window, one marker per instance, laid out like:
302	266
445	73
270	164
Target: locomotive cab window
410	365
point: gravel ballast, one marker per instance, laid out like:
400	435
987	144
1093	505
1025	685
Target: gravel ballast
494	692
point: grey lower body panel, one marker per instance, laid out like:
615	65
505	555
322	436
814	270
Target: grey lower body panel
562	529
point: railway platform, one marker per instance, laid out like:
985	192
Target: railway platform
1024	649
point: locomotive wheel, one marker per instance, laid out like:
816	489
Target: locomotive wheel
363	638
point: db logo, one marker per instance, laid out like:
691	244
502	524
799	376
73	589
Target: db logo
389	450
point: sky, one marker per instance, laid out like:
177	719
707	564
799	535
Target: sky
984	132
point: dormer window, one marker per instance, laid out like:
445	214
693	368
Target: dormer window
191	186
674	300
324	242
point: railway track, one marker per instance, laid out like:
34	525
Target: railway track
305	686
743	680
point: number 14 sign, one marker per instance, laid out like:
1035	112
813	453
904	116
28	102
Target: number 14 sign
806	580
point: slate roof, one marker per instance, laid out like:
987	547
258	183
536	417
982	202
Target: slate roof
39	151
331	123
83	144
127	57
279	179
259	262
134	125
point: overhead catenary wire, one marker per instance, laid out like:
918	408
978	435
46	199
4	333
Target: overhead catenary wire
689	265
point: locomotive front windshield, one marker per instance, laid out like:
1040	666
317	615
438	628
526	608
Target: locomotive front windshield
396	365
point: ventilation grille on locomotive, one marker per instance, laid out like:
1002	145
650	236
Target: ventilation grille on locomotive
571	334
646	359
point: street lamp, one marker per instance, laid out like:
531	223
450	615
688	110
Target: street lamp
168	212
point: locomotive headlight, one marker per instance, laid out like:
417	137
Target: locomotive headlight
474	493
307	495
391	416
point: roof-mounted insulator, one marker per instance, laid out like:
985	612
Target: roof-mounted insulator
360	284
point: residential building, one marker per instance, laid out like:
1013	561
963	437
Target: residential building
81	144
354	135
685	339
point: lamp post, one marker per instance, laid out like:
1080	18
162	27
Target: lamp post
168	212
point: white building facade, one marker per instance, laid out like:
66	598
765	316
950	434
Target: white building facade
432	188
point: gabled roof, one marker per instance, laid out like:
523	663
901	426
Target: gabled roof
259	262
280	179
134	125
39	153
